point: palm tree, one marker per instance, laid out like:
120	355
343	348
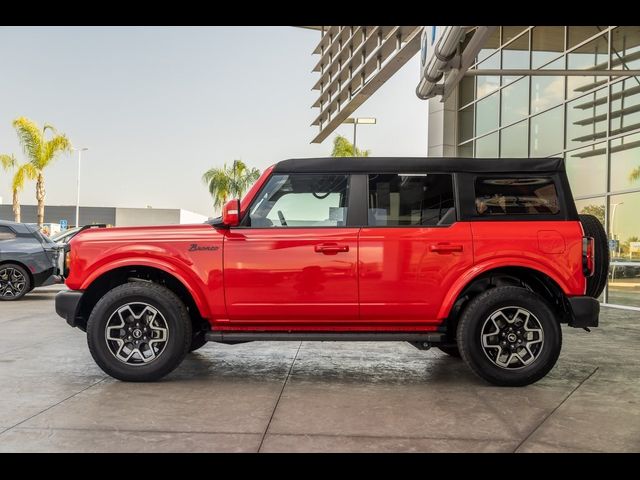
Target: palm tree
7	162
344	148
26	171
40	153
634	175
230	182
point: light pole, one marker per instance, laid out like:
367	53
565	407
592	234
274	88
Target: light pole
79	150
613	217
358	121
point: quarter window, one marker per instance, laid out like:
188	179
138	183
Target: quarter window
301	200
411	199
6	234
516	196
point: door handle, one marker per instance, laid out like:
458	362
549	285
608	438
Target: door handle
445	248
331	248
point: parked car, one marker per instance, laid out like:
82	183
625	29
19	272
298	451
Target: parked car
28	259
66	235
484	259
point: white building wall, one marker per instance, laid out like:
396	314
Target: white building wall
191	217
132	217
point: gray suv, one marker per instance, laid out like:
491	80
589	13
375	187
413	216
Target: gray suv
28	259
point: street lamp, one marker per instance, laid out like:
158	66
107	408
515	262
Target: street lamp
358	121
613	217
79	150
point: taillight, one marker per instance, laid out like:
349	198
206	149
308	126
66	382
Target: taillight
67	262
587	256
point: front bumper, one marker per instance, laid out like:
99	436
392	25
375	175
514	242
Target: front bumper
67	305
584	312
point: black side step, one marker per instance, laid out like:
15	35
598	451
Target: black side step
431	337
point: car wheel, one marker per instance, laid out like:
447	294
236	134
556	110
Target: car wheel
451	350
198	340
509	336
593	228
14	282
139	332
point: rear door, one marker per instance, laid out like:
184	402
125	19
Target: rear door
413	248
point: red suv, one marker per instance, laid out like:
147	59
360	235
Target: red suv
481	258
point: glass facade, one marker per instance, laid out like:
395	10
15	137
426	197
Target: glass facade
591	121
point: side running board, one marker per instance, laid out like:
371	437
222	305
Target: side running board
237	337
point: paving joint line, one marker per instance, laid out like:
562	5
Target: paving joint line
52	406
525	439
284	384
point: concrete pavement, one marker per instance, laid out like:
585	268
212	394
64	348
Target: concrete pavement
293	396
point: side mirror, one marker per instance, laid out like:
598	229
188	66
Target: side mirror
231	213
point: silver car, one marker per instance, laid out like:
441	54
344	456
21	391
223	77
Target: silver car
28	259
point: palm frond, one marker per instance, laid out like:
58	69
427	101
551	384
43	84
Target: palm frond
54	146
7	161
30	138
26	171
229	182
634	175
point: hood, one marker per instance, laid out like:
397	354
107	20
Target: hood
155	233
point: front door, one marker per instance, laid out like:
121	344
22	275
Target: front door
294	259
413	249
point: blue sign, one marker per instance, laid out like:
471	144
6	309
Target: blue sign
614	244
63	225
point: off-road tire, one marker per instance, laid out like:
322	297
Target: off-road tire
478	311
177	321
593	228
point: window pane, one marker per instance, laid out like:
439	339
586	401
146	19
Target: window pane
516	196
594	54
487	84
578	34
487	114
515	101
466	150
465	116
546	92
466	89
302	201
592	206
487	147
587	170
509	32
624	230
547	133
513	141
547	43
625	48
490	46
515	55
587	119
625	162
625	105
6	234
412	199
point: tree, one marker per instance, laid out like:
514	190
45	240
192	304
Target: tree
344	148
229	182
24	172
40	153
634	175
595	210
7	162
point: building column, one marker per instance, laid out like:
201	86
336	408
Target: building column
443	126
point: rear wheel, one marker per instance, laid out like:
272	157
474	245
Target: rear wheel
509	336
593	228
14	282
139	332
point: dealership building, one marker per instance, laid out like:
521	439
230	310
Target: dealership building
513	91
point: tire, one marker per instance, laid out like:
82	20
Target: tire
530	311
15	282
198	340
153	312
451	350
593	228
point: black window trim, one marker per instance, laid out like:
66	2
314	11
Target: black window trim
245	219
12	230
454	186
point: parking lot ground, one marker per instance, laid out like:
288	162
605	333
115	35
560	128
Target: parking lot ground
305	396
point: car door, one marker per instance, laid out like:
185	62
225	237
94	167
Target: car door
294	259
412	250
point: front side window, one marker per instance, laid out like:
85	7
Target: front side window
411	200
6	233
301	200
516	196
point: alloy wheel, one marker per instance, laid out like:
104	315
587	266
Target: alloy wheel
12	282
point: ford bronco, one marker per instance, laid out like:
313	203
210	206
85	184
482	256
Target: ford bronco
484	259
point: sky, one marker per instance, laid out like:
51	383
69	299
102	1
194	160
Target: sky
158	106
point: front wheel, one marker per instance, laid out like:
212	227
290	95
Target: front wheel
139	332
509	336
14	282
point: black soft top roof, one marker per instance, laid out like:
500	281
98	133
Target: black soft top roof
419	164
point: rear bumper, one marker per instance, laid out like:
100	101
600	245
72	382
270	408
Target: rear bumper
67	303
584	312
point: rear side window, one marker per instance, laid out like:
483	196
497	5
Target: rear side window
516	196
411	200
6	234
